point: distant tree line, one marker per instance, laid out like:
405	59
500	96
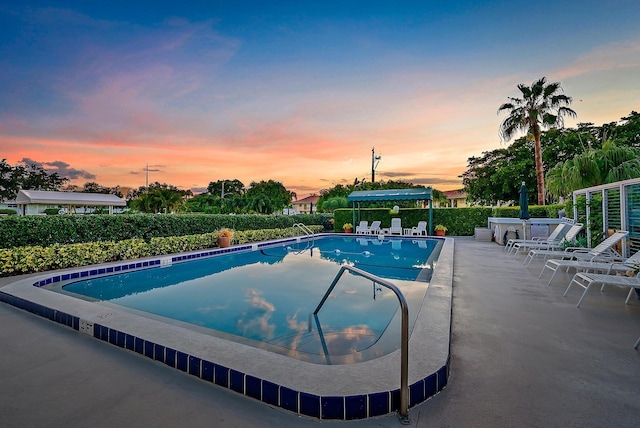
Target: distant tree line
28	176
231	196
336	197
574	158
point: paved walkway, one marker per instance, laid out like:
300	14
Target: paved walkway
521	356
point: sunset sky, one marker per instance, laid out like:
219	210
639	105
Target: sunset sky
294	91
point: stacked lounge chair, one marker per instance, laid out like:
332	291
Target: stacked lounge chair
570	236
555	236
602	252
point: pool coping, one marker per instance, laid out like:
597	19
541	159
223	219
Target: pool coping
353	391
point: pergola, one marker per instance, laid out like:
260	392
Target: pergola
413	194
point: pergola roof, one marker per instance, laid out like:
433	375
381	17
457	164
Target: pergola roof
68	198
413	194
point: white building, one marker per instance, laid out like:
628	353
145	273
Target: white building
35	202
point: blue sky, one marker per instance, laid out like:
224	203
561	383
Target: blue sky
298	92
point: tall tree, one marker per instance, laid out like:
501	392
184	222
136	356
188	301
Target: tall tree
28	177
609	164
542	106
272	190
228	186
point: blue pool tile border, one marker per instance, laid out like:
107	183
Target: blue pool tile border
300	402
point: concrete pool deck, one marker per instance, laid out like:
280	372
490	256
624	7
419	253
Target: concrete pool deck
521	355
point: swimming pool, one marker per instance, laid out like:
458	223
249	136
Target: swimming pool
265	298
337	391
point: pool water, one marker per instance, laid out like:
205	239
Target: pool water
265	298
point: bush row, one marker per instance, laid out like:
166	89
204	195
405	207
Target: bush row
459	221
30	259
18	231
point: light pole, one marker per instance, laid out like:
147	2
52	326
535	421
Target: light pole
222	193
375	160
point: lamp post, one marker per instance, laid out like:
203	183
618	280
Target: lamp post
222	192
222	195
375	160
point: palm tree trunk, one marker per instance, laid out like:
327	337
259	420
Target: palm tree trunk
539	166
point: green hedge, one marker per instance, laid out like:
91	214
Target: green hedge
459	221
19	231
22	260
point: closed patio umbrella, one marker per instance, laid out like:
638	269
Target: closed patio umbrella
524	208
524	202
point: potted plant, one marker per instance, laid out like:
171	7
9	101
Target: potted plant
440	229
224	237
347	227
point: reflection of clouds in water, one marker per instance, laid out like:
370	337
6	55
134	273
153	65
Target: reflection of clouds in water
294	324
348	341
300	327
255	299
256	320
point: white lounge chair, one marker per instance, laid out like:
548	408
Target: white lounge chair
587	266
602	252
374	229
555	236
569	236
396	226
420	229
363	227
586	280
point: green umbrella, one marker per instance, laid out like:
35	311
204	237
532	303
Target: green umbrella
524	203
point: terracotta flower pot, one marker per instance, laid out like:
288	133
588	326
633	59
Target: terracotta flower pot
348	230
224	241
440	232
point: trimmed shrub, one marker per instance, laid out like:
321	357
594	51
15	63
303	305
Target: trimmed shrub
19	231
30	259
459	221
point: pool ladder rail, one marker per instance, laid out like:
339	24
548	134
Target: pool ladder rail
404	344
303	228
306	231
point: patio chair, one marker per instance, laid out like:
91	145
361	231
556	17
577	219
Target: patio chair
420	229
601	252
375	229
396	226
363	227
587	266
586	280
569	236
555	236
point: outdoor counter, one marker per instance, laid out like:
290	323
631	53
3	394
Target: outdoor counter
524	229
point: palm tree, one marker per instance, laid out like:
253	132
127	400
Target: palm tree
541	107
594	167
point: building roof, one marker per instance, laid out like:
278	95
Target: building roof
313	199
68	198
455	194
422	193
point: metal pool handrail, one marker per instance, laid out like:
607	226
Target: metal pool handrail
303	227
404	344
